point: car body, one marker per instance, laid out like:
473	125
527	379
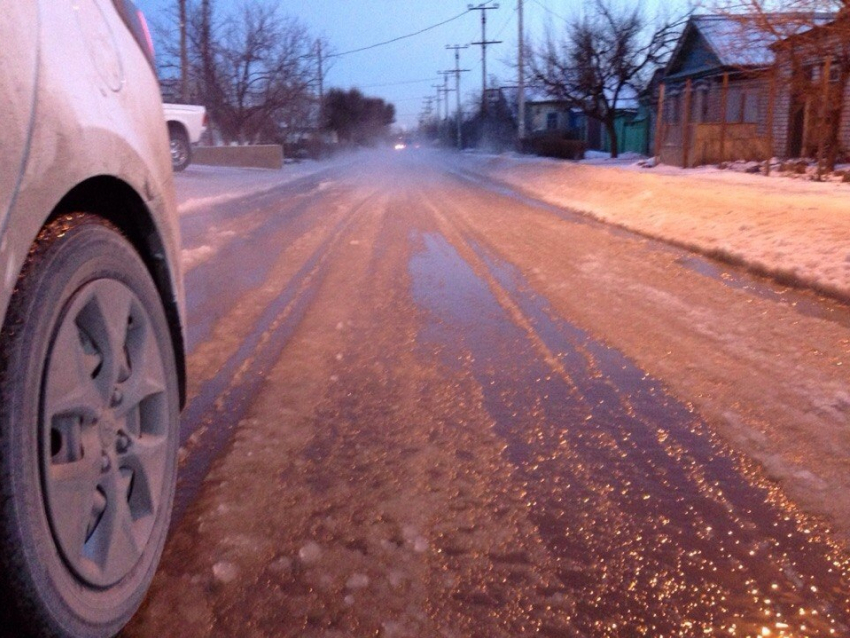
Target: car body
87	207
186	124
122	127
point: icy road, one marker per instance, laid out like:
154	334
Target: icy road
424	405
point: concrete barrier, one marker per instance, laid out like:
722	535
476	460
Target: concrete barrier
260	156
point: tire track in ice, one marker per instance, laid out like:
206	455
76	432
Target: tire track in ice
211	417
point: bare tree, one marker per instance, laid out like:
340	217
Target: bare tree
170	30
254	69
184	50
811	43
601	58
262	70
205	45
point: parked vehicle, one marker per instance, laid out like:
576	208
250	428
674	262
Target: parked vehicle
91	343
186	124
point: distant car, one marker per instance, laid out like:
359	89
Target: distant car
186	124
91	344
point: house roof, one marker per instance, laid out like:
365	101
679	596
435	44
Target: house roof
623	104
739	42
628	99
828	25
736	41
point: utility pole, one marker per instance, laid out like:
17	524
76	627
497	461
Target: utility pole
321	70
446	91
521	82
439	100
428	109
484	8
184	55
457	71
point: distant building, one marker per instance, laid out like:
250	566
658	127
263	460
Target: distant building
550	117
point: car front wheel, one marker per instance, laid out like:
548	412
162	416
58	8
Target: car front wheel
89	405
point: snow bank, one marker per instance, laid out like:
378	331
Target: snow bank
794	230
200	187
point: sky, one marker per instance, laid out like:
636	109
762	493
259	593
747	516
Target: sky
403	73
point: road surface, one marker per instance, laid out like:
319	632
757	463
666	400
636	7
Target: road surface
422	404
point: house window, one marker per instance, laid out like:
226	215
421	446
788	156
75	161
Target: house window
735	105
551	121
700	110
671	109
835	71
705	111
744	105
814	72
750	107
811	72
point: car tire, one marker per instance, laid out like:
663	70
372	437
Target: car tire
181	149
89	408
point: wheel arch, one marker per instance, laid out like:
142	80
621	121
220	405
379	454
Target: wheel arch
179	127
117	202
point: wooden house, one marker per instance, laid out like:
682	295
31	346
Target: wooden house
716	95
728	94
813	105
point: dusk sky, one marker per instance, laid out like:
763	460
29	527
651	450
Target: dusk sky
402	73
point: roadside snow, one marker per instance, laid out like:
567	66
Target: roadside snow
199	187
792	229
191	257
603	158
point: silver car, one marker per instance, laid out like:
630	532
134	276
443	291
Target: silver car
91	348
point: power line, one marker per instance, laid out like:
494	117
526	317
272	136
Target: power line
401	37
408	99
548	10
508	21
376	86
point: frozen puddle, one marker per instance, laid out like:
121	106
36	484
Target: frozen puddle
658	529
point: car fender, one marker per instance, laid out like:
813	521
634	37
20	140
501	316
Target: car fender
19	24
136	155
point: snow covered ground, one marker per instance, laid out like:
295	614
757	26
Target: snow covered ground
792	229
798	231
203	186
200	188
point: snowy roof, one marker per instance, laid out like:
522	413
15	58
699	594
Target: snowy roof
628	100
742	41
736	41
